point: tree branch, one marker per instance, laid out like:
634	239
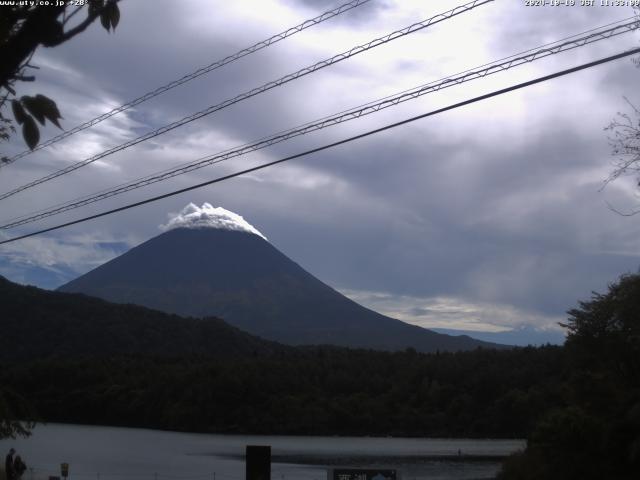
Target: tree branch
622	214
41	27
81	27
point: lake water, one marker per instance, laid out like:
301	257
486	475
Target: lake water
108	453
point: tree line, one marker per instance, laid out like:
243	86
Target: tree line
313	391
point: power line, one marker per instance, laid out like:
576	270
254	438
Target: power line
357	112
334	144
251	93
371	107
197	73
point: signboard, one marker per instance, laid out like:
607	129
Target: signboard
258	462
362	474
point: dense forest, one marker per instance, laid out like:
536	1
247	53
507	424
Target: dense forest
578	405
315	391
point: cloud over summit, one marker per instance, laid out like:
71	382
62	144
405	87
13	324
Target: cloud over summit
209	216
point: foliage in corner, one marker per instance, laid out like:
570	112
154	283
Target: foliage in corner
624	140
39	107
23	28
595	434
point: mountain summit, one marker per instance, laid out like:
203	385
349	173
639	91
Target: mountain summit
209	216
210	262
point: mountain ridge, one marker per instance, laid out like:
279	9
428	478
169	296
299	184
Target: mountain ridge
41	324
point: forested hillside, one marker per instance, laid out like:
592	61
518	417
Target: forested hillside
39	324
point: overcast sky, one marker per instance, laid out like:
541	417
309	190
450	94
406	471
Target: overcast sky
489	217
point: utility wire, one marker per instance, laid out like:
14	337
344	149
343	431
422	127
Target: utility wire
357	112
112	191
197	73
334	144
267	86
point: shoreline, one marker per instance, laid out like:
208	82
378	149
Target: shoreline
377	460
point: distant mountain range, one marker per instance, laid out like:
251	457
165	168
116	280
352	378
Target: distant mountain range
40	324
240	277
520	336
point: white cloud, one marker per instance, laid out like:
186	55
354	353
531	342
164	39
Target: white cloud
208	216
453	312
71	252
63	258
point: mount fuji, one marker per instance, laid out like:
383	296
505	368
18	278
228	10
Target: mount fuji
211	262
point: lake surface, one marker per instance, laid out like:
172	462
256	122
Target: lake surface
108	453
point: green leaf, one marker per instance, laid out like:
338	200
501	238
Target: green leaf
114	15
42	108
95	6
18	112
110	15
34	107
30	132
105	20
49	109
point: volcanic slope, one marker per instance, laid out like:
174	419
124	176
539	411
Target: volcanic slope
240	277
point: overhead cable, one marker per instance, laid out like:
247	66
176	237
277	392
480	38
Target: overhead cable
354	113
251	93
332	145
197	73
